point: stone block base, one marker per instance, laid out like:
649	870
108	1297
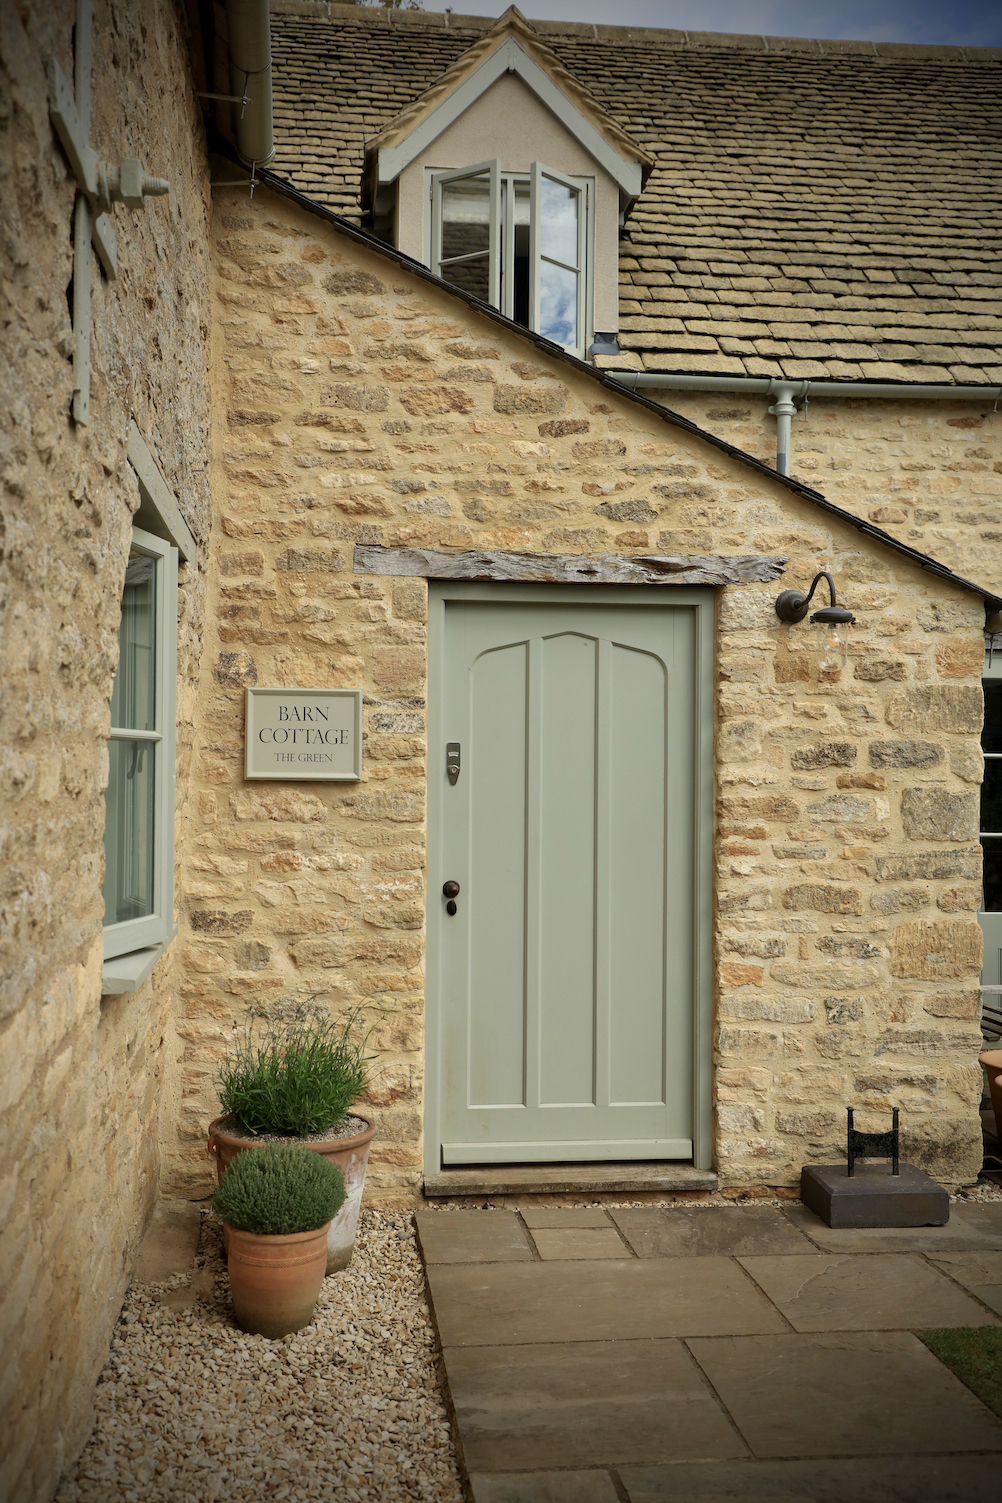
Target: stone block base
873	1196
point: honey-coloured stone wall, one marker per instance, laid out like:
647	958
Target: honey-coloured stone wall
357	403
927	472
83	1076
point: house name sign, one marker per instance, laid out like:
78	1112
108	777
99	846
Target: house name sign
310	735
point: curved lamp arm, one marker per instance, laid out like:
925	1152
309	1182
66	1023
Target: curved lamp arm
793	605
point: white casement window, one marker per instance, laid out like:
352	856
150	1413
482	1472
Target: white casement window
139	801
138	885
521	242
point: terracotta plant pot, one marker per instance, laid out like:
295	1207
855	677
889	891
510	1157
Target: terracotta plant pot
351	1155
992	1061
276	1280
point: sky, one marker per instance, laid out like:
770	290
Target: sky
961	23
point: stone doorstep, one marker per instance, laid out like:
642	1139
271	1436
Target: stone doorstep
568	1179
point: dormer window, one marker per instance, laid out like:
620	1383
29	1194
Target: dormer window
456	182
519	241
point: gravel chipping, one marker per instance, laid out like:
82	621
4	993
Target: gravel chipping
189	1409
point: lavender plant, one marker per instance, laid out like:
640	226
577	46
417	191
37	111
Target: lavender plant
295	1072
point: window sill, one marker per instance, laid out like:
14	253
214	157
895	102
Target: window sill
123	974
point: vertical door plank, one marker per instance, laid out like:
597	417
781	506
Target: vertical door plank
637	912
567	898
604	890
533	874
494	766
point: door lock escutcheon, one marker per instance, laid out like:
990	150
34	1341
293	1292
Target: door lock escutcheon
451	891
452	761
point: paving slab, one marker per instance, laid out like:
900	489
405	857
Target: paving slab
543	1487
695	1231
902	1479
980	1272
472	1237
510	1303
860	1393
583	1403
579	1242
984	1217
855	1292
556	1216
963	1232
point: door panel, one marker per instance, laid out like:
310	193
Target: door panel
567	973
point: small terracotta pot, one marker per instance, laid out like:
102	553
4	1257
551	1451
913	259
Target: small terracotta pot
992	1061
351	1155
276	1280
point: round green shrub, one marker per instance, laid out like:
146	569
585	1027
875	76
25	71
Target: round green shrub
299	1079
279	1188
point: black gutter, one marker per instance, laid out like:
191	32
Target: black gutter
344	226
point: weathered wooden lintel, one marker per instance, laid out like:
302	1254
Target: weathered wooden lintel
573	568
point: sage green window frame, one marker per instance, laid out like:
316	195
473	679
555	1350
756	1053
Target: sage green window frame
440	180
501	199
702	603
538	257
157	927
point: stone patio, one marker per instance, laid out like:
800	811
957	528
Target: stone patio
600	1354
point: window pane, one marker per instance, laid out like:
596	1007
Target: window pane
472	276
128	831
558	230
992	899
133	699
520	200
992	738
466	218
558	297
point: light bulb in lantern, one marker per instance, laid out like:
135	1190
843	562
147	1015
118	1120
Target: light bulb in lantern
831	651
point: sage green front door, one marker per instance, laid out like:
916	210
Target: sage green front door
990	916
567	976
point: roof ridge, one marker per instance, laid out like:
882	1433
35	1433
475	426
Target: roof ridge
322	10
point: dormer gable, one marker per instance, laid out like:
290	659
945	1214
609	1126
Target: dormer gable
511	46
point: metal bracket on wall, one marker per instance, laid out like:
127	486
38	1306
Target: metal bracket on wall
100	186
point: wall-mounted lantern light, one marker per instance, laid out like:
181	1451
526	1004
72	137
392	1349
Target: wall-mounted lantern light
792	606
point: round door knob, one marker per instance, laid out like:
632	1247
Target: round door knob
451	889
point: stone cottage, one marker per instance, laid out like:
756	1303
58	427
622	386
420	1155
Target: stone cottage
717	877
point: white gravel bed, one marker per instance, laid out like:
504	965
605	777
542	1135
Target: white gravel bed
189	1409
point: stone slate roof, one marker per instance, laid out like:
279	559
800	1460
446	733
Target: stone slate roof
817	209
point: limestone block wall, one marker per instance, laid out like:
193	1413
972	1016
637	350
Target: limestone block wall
355	403
929	473
82	1076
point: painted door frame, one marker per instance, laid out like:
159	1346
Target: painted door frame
702	603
